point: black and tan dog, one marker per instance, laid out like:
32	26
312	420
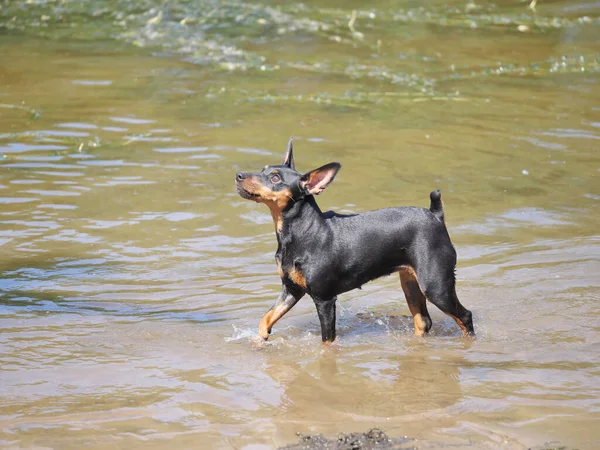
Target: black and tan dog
326	254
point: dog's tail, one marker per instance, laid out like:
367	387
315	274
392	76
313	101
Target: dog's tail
437	206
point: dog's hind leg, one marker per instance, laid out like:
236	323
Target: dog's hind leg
416	300
439	286
462	316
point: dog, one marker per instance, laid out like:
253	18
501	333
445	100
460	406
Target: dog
326	254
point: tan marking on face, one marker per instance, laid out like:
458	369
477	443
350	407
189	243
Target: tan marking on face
414	298
275	200
278	202
279	269
297	277
269	319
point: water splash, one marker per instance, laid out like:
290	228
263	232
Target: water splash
241	334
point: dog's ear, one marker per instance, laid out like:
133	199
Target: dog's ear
315	181
288	160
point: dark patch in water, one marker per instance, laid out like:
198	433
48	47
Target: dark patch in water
373	439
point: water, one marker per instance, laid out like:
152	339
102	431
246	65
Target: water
133	277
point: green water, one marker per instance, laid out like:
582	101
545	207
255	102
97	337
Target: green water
133	277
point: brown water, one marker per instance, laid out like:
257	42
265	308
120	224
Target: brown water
133	277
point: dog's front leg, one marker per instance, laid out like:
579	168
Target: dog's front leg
326	312
284	303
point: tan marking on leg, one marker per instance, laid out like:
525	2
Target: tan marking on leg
297	277
458	321
265	325
414	298
269	319
420	324
461	325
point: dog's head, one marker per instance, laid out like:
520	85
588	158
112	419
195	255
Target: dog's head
279	185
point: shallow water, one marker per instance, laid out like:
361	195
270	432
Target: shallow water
133	277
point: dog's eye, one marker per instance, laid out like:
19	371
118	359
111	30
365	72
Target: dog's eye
275	179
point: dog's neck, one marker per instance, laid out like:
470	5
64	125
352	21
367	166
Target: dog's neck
301	217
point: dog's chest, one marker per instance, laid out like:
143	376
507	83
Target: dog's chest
291	273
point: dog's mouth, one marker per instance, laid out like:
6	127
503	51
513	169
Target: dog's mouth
246	194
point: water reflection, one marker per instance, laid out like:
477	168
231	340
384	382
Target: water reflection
334	390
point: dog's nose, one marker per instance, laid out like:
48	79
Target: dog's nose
240	176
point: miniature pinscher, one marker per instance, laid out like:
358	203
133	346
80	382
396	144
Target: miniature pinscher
326	254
